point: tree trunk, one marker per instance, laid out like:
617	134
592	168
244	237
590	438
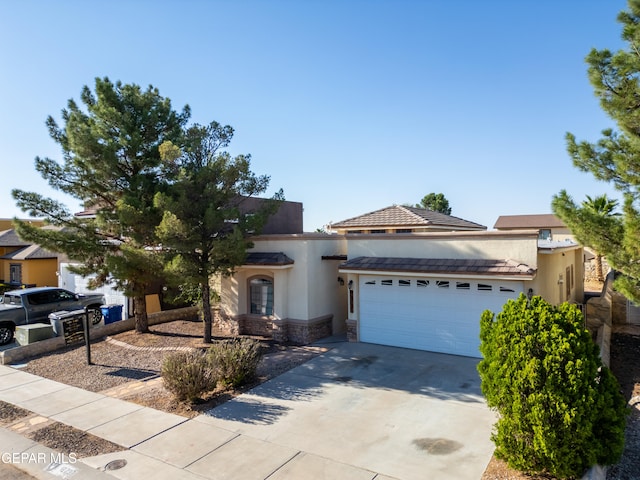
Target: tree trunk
599	274
140	312
206	312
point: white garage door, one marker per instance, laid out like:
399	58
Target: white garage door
439	315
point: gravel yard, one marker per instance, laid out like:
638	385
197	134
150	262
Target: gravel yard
128	365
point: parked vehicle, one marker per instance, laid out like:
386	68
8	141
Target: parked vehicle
33	305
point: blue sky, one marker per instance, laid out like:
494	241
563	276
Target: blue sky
349	106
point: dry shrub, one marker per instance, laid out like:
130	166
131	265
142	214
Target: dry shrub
235	362
188	375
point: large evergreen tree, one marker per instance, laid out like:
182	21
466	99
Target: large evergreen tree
111	162
614	158
204	230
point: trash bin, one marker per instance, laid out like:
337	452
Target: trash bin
56	319
111	313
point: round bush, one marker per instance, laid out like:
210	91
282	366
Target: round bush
560	410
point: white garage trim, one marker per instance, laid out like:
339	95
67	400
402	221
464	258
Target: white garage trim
440	314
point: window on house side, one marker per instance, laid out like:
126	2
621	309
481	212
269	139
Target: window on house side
442	283
422	283
403	230
544	234
463	286
483	287
572	283
386	282
370	282
404	283
506	289
261	296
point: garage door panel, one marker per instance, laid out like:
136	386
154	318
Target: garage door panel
412	315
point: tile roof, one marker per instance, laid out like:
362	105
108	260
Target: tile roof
268	258
9	238
544	220
400	215
30	252
440	265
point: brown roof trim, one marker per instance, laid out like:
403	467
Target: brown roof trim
441	266
543	220
492	234
268	259
299	236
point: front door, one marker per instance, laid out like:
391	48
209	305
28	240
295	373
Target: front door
15	274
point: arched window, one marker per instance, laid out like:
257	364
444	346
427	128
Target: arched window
261	296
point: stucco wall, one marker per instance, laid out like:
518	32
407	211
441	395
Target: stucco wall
521	246
552	272
306	290
40	272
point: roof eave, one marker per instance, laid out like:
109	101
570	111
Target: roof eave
413	273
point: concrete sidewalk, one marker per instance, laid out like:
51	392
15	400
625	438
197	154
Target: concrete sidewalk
356	412
157	445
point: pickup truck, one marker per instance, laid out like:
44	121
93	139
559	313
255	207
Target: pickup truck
33	305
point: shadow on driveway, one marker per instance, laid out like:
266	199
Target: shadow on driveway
404	413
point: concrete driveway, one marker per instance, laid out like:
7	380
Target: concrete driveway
398	413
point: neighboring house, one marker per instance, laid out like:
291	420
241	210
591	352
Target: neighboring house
7	223
421	290
549	226
22	263
403	219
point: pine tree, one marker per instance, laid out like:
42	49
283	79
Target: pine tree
111	162
614	158
436	202
204	231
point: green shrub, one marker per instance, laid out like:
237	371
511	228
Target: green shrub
187	375
560	410
235	361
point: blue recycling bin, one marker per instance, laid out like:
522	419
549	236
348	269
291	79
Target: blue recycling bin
111	313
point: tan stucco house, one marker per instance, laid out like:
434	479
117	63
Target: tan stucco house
424	289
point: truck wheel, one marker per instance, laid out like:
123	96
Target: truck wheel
6	334
95	315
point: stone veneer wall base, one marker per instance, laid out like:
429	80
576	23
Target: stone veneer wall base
281	330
